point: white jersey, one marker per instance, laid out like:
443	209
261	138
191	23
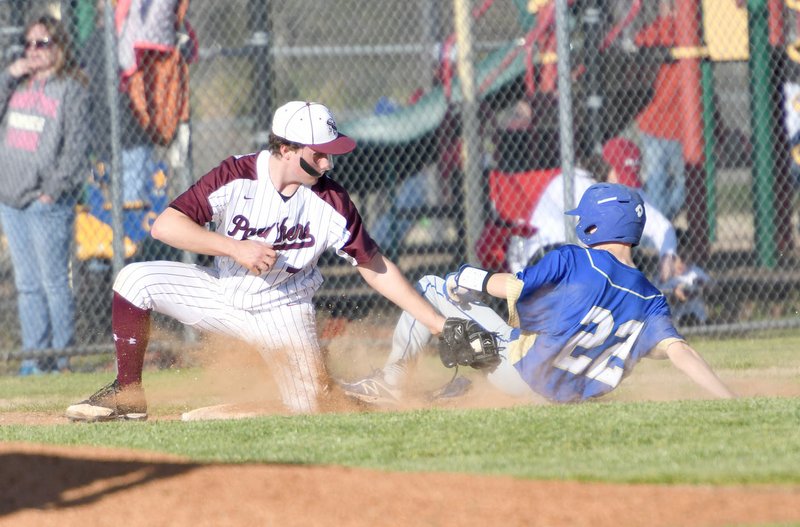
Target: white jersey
241	200
548	217
273	310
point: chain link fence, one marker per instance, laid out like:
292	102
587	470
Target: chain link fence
459	109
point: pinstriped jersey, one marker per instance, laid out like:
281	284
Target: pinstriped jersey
241	200
588	320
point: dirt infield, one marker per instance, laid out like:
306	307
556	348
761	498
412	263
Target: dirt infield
89	487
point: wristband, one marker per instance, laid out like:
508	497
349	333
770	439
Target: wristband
473	278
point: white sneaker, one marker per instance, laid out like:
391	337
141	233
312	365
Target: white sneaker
372	390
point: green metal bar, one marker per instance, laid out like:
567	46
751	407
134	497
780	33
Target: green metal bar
709	125
763	162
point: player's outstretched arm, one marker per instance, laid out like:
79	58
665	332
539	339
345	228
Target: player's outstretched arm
686	359
497	285
384	277
180	231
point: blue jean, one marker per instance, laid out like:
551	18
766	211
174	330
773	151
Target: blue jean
39	238
663	171
136	168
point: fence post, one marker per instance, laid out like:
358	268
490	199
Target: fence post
565	127
709	126
763	162
260	53
112	83
470	130
593	98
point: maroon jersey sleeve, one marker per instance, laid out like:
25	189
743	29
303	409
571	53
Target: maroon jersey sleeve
361	247
195	203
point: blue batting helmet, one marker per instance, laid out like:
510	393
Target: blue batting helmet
609	213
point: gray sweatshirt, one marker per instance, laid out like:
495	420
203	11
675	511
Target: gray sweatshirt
43	138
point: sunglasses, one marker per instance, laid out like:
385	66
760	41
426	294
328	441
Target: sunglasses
45	43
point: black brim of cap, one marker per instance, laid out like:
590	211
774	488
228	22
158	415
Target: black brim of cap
340	145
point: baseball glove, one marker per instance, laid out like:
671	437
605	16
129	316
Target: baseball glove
465	343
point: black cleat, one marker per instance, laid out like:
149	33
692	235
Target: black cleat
111	403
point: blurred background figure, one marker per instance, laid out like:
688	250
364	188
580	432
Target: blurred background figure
685	290
660	123
621	163
42	164
136	146
683	282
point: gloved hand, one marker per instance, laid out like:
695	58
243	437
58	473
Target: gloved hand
466	343
465	282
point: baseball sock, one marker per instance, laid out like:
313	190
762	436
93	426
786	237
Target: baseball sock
131	330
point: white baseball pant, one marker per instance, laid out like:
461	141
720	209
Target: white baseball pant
286	336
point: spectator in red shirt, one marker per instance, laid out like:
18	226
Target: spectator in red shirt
659	123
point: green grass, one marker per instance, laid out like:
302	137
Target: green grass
753	440
752	352
53	393
731	442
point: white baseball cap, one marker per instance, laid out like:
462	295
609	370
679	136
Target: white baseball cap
310	124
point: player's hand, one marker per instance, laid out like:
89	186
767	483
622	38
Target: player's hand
256	257
668	267
451	286
680	293
20	68
454	292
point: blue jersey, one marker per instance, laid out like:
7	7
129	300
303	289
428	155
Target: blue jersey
593	319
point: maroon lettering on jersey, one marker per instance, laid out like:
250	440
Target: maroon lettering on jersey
294	237
242	225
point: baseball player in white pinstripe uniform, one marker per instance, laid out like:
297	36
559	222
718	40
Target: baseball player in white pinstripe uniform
275	212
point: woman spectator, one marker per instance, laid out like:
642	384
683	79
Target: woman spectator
42	161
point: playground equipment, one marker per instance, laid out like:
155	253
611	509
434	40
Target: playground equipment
93	233
708	32
523	68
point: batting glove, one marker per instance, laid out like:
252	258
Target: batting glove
454	292
465	281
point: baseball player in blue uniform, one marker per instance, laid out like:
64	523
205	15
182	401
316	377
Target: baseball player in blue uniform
579	320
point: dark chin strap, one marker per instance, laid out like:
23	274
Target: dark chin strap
309	169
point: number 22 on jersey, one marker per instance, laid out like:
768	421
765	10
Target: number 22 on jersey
599	368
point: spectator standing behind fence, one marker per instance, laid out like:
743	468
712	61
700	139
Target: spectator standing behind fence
136	147
682	282
622	160
660	122
42	163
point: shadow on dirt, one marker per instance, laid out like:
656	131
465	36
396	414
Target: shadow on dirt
47	482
